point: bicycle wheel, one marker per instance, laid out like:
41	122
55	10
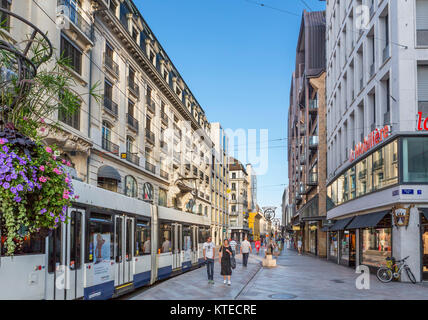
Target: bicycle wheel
384	275
410	275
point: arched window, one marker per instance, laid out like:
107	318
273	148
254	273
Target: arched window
106	131
191	206
163	199
131	187
147	191
206	211
233	196
200	209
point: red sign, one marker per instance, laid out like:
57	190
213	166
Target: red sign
373	139
420	122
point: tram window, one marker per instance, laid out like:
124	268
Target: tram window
142	238
32	244
203	235
75	240
187	238
164	238
118	240
55	246
100	234
130	240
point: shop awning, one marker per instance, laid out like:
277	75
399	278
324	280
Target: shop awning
109	172
368	220
341	224
425	212
325	229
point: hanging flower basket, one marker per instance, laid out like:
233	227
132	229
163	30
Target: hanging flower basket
35	191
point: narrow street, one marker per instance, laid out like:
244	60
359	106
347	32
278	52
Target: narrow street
295	277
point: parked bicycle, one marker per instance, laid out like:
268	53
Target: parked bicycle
393	270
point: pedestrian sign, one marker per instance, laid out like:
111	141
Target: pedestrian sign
123	155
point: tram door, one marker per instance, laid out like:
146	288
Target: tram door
123	249
55	278
74	234
176	238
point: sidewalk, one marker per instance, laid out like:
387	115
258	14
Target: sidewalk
194	285
304	277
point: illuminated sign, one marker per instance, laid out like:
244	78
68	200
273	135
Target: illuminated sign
425	128
373	139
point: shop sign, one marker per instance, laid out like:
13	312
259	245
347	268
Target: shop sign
373	139
401	215
296	228
408	191
425	126
313	228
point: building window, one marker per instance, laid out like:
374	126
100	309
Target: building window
163	198
147	191
70	118
72	54
423	89
164	243
131	187
415	159
422	22
107	184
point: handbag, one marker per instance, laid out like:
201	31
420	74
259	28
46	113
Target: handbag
232	262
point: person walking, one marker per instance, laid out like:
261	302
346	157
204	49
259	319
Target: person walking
233	245
224	255
245	250
257	245
299	246
209	258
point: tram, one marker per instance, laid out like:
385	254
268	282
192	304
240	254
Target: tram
111	245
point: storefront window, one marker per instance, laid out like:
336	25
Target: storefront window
415	159
344	245
313	239
333	244
376	246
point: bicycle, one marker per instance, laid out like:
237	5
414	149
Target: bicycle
394	269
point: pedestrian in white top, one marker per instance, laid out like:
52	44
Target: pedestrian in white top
233	245
245	250
147	246
208	249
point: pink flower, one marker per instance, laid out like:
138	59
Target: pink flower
42	168
57	171
65	195
69	163
67	180
3	140
43	179
76	197
42	129
25	118
49	150
54	157
42	120
63	161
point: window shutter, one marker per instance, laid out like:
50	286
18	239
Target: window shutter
423	83
422	14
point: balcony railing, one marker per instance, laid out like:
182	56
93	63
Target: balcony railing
133	87
151	106
378	164
111	65
150	167
164	118
133	158
422	37
313	105
110	146
132	122
312	179
164	174
76	18
150	136
313	142
110	106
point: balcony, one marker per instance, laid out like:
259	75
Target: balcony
133	158
312	179
110	146
422	37
151	106
76	19
164	118
164	174
313	106
133	87
132	122
150	136
164	146
150	167
110	106
313	142
111	66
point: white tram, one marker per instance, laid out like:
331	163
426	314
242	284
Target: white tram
112	245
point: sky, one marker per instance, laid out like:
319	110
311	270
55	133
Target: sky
237	58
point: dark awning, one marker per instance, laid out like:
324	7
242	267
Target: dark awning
325	229
368	220
341	224
109	172
425	212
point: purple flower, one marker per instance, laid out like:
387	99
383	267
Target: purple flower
5	149
18	199
19	187
13	190
43	211
6	185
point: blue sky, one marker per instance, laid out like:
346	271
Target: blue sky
237	58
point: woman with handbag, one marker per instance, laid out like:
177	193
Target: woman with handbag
225	255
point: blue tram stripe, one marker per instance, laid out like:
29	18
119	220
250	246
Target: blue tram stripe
142	279
164	272
101	291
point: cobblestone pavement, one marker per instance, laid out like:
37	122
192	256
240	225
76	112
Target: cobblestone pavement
295	277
